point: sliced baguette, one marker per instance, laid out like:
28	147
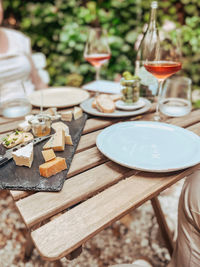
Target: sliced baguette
115	97
105	104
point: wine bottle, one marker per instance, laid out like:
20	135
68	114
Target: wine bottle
149	84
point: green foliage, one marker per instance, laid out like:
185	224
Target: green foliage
59	29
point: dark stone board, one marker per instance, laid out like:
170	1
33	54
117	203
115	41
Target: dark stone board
23	178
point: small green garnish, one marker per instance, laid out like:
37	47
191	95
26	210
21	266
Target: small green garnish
16	132
14	139
26	136
7	143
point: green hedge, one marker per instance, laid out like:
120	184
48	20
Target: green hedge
59	30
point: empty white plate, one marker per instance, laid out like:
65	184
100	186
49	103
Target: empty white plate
125	106
150	146
59	97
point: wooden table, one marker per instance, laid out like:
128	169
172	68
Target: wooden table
97	193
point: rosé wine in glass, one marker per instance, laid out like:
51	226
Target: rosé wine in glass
97	50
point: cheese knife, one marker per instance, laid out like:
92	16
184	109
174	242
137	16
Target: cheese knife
8	154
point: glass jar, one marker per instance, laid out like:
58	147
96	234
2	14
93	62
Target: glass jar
14	102
130	90
40	125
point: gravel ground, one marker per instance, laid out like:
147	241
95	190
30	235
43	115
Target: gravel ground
134	236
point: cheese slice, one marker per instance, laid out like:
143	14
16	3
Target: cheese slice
24	156
68	140
57	141
78	113
60	125
48	155
66	116
52	167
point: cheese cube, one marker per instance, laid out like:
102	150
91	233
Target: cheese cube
77	113
52	167
48	155
66	116
68	140
51	111
24	156
57	141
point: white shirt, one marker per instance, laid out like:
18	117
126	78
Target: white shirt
15	65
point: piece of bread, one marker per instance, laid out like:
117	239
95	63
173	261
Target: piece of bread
13	139
105	104
94	103
27	137
115	97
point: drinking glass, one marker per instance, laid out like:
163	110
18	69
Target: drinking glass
97	50
162	58
14	102
175	100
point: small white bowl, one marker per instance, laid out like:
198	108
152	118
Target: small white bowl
126	106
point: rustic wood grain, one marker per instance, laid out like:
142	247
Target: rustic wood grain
90	217
75	190
9	126
166	233
87	141
96	124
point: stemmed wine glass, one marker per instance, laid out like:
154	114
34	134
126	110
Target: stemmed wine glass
162	58
97	50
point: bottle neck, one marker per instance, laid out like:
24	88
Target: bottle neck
152	20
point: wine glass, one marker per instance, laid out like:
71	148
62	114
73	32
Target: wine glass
97	50
175	100
162	58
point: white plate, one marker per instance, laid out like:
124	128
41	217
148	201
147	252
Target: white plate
125	106
103	86
87	107
59	97
150	146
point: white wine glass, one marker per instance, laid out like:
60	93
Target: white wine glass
97	50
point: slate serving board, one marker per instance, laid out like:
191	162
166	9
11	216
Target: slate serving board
23	178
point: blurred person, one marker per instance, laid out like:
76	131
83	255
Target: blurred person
16	59
187	248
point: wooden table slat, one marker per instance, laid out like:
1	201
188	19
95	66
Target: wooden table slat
82	186
90	217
